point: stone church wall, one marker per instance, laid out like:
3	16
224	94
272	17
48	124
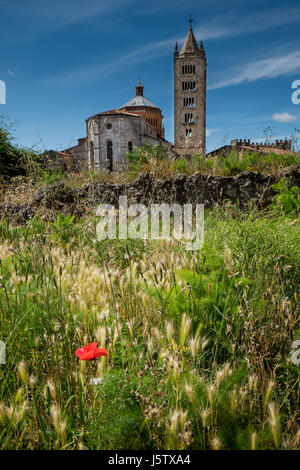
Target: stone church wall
123	131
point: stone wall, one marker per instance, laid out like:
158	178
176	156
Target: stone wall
279	147
79	151
206	189
61	161
119	128
279	144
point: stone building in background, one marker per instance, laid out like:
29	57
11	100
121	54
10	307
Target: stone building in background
145	109
241	146
190	97
112	134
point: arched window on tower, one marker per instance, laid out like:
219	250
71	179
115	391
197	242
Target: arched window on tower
130	147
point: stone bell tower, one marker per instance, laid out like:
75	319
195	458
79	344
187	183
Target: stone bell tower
190	97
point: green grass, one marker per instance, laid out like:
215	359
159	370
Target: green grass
199	343
152	160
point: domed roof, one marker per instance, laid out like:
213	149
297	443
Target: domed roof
139	99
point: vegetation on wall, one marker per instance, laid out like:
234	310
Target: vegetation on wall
155	161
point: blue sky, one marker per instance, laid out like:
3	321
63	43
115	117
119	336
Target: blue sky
65	60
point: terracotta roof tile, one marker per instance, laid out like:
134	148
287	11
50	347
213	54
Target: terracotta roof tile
114	112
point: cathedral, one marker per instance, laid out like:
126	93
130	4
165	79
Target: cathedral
110	135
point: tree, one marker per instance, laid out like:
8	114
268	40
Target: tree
10	156
14	160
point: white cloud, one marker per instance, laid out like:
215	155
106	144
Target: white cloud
209	132
120	63
59	13
270	67
284	117
231	25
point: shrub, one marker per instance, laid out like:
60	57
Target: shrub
287	199
10	157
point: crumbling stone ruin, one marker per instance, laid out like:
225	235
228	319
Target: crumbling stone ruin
242	145
266	147
195	189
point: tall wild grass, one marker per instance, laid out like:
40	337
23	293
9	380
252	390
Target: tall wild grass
199	343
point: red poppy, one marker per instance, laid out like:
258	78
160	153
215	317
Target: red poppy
86	353
87	209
